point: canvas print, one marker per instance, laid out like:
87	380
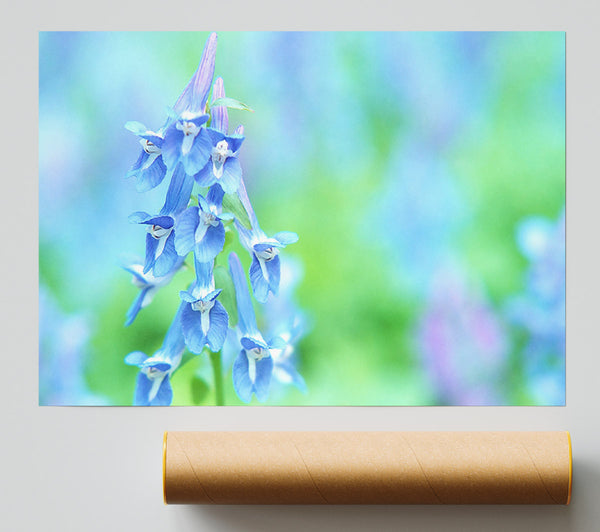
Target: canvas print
313	218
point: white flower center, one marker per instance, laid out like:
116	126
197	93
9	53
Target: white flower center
258	353
209	218
268	254
190	131
188	128
153	373
202	306
158	232
149	147
221	151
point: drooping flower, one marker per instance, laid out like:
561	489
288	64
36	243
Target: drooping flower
161	256
148	285
540	309
204	319
185	139
265	269
223	166
153	386
283	318
253	367
149	169
201	228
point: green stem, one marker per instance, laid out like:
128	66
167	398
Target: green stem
217	366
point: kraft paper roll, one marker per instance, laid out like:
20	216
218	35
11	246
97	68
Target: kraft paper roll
367	468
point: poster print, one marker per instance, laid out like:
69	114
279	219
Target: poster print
346	218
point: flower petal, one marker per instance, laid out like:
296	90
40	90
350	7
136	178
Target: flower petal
151	247
204	276
144	218
286	373
215	196
187	297
136	273
205	177
135	169
191	326
286	238
277	343
135	358
274	269
243	195
194	96
159	365
178	193
174	343
241	379
249	343
167	259
235	142
260	285
199	153
247	318
136	306
164	396
171	148
232	175
220	118
136	127
213	295
217	332
211	244
143	386
264	370
138	217
152	176
185	231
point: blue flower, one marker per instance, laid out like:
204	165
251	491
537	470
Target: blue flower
148	285
204	319
194	96
265	269
223	166
253	367
284	358
149	169
153	386
540	309
185	138
201	228
186	141
284	319
161	256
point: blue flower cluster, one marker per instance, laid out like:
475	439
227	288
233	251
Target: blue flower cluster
539	310
194	150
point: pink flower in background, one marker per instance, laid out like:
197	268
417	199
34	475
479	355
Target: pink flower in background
463	343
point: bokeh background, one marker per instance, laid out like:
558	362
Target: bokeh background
423	172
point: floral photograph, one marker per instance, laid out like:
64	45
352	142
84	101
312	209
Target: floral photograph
302	218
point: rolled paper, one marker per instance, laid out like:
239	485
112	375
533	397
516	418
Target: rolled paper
367	467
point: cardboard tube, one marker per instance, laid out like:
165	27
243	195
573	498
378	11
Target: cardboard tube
367	468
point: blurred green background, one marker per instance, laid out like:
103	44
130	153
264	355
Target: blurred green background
404	161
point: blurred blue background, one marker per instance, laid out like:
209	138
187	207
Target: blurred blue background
423	172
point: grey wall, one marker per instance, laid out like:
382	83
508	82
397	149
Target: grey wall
89	469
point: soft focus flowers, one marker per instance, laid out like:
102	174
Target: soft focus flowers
540	310
463	343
